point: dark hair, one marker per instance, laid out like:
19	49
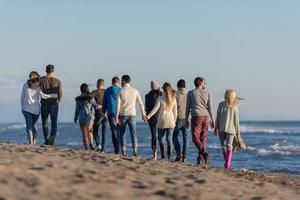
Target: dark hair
33	75
115	80
84	88
100	81
49	68
126	78
34	80
181	83
198	81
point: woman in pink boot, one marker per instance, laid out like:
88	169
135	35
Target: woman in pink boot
227	124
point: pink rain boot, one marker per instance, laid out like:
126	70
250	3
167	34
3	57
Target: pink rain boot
228	160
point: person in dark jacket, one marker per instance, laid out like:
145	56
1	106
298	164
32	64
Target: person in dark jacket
150	101
100	117
50	86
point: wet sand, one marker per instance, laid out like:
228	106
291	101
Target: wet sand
43	172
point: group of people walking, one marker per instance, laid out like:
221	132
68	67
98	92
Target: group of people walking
168	113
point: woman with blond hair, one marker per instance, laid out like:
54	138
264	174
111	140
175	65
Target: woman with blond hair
30	104
166	105
227	124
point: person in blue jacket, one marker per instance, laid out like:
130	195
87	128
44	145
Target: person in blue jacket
109	109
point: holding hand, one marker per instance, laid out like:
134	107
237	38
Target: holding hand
119	122
145	118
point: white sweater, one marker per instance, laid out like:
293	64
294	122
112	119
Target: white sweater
166	118
30	99
127	99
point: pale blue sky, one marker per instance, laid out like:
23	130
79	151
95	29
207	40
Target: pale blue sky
250	46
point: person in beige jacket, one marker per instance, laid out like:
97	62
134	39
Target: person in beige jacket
166	105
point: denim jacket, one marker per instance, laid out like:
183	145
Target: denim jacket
85	104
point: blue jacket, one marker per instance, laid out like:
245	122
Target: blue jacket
109	103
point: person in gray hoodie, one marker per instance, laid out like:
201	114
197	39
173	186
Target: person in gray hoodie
181	97
84	113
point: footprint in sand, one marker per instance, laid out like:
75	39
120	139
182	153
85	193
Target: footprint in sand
170	181
200	181
30	180
139	185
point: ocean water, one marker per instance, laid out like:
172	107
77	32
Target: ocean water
272	146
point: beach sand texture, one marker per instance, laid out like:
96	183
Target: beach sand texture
43	172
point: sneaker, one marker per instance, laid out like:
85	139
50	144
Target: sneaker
92	147
98	148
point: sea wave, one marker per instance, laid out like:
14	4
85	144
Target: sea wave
276	149
277	130
4	128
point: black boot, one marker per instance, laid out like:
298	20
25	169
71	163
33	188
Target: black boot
47	138
178	157
162	150
169	151
183	158
92	147
51	140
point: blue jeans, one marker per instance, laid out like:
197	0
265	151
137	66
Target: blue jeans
180	126
131	121
31	126
115	133
165	133
100	120
51	110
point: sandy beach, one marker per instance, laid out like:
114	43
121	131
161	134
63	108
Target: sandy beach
43	172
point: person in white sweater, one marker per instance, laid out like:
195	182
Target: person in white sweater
127	99
166	105
30	104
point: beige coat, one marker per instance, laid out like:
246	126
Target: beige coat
166	118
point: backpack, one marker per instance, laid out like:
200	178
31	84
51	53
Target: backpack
85	111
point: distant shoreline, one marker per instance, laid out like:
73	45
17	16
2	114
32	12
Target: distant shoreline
242	121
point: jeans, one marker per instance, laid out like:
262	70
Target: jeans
199	132
153	130
226	140
31	126
180	126
100	120
165	133
115	133
51	110
131	121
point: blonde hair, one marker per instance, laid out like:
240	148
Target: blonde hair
170	95
230	97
